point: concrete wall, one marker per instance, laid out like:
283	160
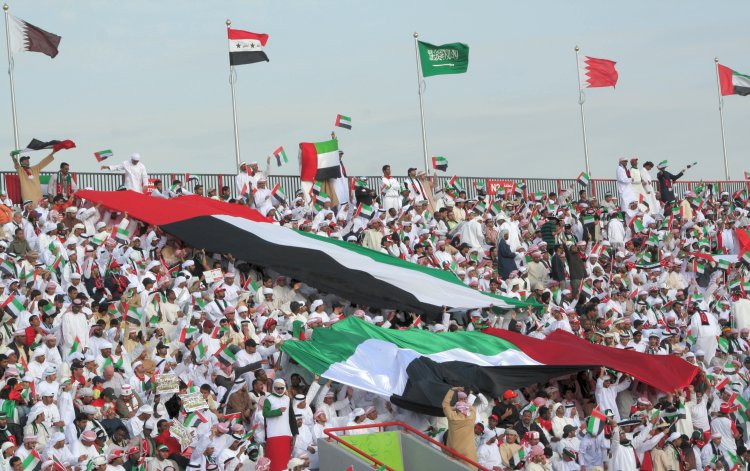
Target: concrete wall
420	455
334	457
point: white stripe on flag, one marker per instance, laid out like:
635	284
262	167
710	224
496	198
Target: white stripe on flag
428	289
328	159
245	45
386	364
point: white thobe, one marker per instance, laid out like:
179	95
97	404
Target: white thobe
136	176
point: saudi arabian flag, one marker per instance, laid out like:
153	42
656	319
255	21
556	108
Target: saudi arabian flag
450	58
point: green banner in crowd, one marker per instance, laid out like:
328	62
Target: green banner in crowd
450	58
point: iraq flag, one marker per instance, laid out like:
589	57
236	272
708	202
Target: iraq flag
246	47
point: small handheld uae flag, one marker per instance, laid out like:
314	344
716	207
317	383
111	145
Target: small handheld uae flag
27	37
596	422
280	156
364	211
32	461
278	193
440	163
343	121
597	72
36	144
584	179
732	82
246	47
103	155
13	306
226	355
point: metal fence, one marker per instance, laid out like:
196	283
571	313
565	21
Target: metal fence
598	188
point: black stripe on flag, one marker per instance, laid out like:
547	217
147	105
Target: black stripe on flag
247	57
328	173
743	91
309	266
428	381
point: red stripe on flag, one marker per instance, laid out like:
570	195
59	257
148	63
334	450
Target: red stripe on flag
725	80
239	34
309	161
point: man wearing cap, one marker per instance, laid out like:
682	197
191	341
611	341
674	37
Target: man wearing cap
135	174
666	180
161	461
506	410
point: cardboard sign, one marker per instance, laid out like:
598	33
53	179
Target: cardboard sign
193	401
212	276
500	187
167	383
182	434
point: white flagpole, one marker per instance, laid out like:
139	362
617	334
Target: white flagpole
721	118
421	103
581	100
10	75
233	82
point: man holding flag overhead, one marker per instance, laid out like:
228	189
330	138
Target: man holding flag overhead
31	188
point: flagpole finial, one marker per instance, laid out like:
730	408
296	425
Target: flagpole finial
577	48
229	22
716	59
5	7
416	35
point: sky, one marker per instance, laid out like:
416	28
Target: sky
153	77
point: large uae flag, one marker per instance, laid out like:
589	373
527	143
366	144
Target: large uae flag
414	368
246	47
27	37
319	160
361	275
732	82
